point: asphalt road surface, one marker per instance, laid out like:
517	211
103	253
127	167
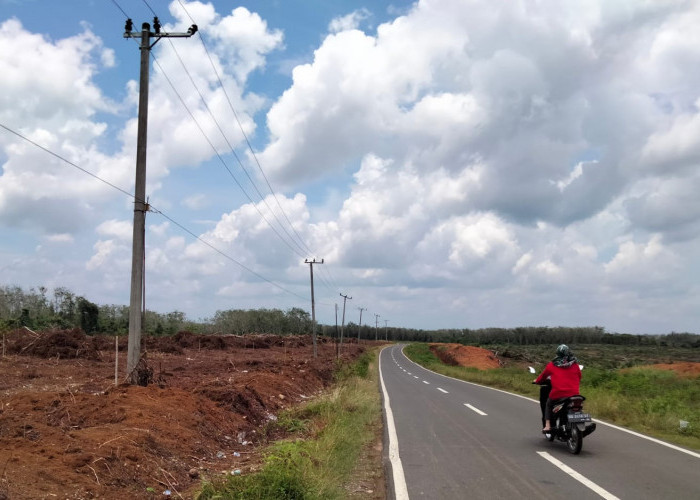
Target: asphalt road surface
449	439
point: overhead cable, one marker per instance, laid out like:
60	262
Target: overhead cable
154	209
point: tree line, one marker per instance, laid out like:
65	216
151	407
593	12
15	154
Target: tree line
38	310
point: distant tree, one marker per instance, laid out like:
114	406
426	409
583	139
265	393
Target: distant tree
89	315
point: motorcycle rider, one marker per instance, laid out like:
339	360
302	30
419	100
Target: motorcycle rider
565	376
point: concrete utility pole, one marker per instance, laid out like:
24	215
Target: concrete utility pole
359	330
386	338
140	205
342	325
336	331
313	304
376	328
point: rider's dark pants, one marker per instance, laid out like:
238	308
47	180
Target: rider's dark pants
544	395
548	408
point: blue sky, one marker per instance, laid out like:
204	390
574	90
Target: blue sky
458	164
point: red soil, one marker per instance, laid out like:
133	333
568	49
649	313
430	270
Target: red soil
685	369
464	355
67	432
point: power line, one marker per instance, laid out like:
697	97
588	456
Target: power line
150	8
155	60
328	281
120	8
154	210
325	276
240	126
301	254
172	86
66	161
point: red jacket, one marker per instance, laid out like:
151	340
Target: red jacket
565	381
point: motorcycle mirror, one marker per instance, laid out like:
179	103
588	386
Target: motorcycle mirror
532	370
580	366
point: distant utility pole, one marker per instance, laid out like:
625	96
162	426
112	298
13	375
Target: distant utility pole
386	338
342	325
359	330
313	303
140	204
376	321
336	331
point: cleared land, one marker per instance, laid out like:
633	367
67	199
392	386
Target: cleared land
66	431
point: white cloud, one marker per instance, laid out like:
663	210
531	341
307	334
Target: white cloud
58	113
502	164
349	21
60	238
103	250
640	261
120	229
196	201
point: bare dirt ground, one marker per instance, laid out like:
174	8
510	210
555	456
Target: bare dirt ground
685	369
66	431
464	355
483	359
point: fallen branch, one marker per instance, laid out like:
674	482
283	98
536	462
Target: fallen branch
93	471
170	485
106	464
118	437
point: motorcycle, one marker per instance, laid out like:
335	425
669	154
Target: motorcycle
569	422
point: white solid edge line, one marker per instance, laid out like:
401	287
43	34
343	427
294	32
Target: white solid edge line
580	478
628	431
649	438
396	466
442	390
474	409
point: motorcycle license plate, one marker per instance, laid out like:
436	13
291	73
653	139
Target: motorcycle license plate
579	417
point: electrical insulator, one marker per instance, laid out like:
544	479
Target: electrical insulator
129	26
156	25
192	29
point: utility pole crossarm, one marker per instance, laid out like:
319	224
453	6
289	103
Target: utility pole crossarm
157	34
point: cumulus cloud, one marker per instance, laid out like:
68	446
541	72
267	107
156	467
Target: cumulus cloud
524	161
349	21
117	228
59	113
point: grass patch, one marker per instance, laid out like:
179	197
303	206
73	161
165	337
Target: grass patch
325	439
647	400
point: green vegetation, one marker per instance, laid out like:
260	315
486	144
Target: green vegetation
640	398
38	310
324	441
35	309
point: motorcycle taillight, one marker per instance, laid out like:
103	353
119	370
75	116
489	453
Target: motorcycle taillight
576	406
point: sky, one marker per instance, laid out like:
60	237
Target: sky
455	163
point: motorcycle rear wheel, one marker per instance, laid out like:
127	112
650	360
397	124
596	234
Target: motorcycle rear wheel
575	441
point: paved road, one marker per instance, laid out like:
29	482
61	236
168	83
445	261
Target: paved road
493	447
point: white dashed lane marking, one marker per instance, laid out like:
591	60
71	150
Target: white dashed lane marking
580	478
477	410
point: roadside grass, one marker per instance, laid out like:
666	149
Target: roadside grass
324	440
642	399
